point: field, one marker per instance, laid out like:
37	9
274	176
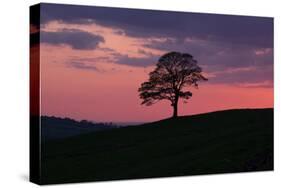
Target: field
218	142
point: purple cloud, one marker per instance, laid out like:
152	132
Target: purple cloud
81	65
77	39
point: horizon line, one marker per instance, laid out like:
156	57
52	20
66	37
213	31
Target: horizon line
94	121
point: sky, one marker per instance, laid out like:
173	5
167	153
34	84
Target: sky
94	59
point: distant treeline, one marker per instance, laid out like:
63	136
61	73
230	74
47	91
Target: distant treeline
56	127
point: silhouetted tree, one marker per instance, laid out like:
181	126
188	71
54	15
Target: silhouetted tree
174	72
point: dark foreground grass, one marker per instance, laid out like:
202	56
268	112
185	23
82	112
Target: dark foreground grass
219	142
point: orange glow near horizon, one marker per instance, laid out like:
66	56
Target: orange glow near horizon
111	95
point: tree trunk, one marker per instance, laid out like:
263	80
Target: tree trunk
175	107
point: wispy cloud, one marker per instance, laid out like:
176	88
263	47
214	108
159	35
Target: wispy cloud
264	84
81	65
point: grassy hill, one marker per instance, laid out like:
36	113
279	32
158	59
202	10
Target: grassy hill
217	142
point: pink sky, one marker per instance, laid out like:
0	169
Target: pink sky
108	91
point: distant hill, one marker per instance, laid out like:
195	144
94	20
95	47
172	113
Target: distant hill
59	128
219	142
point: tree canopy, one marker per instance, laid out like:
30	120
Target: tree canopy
174	73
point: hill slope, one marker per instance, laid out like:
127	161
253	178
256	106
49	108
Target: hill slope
218	142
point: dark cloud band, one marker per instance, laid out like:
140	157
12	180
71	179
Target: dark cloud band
255	31
77	39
